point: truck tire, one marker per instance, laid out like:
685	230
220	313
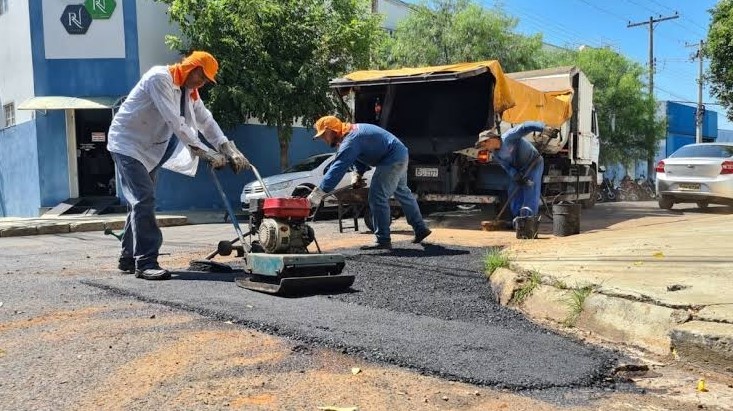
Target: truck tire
593	186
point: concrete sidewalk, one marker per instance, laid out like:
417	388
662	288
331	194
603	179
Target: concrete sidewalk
18	226
661	282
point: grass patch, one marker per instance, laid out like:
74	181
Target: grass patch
560	284
575	301
527	287
493	260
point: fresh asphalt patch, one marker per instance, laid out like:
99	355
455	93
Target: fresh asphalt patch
424	307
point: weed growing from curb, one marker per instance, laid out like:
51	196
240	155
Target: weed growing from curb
576	299
527	287
493	260
560	284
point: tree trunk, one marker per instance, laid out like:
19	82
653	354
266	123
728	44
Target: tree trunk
284	144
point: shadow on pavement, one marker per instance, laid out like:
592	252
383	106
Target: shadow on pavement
601	216
204	276
426	250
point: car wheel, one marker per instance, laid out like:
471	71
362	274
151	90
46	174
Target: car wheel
703	204
302	192
666	203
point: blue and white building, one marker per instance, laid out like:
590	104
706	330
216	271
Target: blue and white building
66	66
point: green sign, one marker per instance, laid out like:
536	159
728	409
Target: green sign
100	9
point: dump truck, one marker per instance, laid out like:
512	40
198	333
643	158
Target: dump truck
438	113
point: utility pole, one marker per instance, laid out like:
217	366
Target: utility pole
650	22
700	112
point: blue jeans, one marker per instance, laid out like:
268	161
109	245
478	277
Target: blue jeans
387	181
142	237
528	196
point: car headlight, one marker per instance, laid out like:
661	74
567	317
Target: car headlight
279	186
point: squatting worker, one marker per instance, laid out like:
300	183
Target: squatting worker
363	145
521	160
157	126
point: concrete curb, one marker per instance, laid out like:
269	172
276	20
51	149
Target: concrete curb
654	328
49	226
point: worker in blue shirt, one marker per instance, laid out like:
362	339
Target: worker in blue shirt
521	160
363	145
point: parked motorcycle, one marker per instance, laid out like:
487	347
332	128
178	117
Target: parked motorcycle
607	191
647	190
628	190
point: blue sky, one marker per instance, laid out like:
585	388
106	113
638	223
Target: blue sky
600	23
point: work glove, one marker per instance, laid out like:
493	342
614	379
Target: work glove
522	180
216	160
550	132
235	157
316	196
357	180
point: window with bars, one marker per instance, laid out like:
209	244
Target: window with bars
3	6
9	110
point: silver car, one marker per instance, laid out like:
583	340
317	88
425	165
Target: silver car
696	173
298	180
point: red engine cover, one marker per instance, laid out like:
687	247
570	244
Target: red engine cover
286	207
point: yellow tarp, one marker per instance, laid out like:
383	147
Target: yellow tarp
502	95
553	107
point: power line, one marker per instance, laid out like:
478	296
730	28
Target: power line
604	10
661	5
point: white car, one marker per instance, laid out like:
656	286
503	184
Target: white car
696	173
298	180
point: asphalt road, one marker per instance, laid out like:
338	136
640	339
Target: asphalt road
425	308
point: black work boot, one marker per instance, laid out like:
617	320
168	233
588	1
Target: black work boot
421	236
153	273
377	246
126	264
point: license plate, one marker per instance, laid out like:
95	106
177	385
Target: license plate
426	172
690	186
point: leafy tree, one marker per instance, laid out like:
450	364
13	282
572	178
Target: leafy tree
719	48
629	128
453	31
276	56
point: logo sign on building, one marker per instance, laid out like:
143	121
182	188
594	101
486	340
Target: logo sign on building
89	29
76	19
100	9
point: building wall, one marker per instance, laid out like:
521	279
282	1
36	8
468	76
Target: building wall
681	121
16	75
19	190
52	165
725	136
152	27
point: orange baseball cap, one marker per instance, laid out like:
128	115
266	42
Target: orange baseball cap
327	123
204	60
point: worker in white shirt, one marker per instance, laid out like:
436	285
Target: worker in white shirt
157	126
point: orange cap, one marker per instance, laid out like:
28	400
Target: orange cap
329	123
204	60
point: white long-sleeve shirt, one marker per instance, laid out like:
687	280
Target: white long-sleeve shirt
149	117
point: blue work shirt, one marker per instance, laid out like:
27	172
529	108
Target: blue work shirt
516	153
366	145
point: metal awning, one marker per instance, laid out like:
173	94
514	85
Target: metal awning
70	103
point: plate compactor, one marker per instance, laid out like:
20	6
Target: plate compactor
275	249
